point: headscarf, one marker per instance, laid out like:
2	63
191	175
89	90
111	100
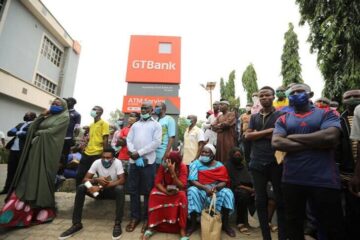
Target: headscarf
211	147
175	156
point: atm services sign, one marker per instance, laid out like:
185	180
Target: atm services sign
154	59
133	103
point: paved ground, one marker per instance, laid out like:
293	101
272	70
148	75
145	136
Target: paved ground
97	221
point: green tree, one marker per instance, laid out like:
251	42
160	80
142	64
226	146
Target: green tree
335	37
291	67
115	115
249	81
222	88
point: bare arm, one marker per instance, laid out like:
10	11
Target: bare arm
200	146
252	135
105	141
168	147
326	138
284	144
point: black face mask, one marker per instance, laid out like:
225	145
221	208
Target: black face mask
238	161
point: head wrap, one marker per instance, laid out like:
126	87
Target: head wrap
175	156
225	102
211	147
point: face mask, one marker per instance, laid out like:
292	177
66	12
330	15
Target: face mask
56	109
248	109
120	123
26	118
333	108
93	113
299	100
255	99
106	162
145	116
280	94
157	110
204	159
237	160
188	122
287	92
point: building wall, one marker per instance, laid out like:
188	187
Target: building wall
13	115
69	76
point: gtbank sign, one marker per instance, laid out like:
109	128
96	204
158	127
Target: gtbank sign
154	59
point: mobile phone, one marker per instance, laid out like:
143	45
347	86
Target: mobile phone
171	187
108	178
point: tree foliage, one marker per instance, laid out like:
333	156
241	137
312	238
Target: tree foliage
249	81
291	67
227	91
335	37
115	115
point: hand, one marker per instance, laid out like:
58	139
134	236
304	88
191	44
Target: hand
121	142
209	191
94	189
354	186
46	112
139	162
102	181
170	166
134	155
172	192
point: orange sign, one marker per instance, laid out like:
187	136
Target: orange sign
154	59
133	103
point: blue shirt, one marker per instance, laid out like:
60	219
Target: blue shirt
311	167
168	130
144	137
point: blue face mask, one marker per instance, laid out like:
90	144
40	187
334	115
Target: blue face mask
188	122
56	109
157	110
299	100
106	162
145	116
204	159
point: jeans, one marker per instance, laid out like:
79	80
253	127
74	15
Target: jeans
141	181
116	192
272	173
326	204
84	166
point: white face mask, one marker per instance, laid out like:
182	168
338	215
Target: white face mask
248	109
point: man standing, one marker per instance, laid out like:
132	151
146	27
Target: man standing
99	132
263	165
309	136
16	146
282	100
244	125
109	184
193	140
209	135
348	156
168	133
224	126
74	127
142	141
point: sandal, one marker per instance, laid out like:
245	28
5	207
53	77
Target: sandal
243	229
147	234
184	238
273	228
132	225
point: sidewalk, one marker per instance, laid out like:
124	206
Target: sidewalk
98	218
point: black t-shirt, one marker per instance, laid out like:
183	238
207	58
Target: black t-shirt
262	153
75	118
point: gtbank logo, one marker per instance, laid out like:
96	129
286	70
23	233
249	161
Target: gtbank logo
152	65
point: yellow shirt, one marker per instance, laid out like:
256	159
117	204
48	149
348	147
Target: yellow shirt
97	131
191	143
278	105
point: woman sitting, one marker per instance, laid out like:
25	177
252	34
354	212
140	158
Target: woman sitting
208	176
167	200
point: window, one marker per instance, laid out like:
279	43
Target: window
51	51
45	84
165	48
2	6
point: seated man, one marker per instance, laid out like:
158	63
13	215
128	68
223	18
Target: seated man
109	184
72	163
208	176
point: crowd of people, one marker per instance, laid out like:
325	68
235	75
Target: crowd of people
285	153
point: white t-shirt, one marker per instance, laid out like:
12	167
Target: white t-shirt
113	171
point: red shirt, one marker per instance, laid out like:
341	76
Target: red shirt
123	153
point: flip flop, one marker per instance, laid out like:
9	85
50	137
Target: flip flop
132	225
147	234
243	229
184	238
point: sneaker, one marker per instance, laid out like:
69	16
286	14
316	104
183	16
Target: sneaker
71	231
117	231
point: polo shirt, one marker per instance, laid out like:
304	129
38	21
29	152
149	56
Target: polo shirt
311	167
262	153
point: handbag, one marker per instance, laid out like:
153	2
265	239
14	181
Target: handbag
211	222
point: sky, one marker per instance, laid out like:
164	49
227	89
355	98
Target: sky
216	38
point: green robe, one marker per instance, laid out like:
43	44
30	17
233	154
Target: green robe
34	181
